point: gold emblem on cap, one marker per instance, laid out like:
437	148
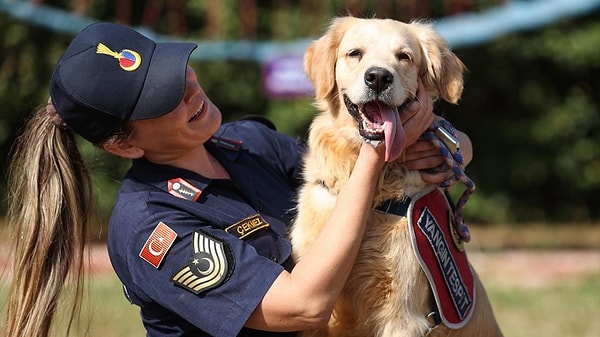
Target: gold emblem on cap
129	60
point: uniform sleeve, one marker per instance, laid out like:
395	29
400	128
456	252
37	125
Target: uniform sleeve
207	277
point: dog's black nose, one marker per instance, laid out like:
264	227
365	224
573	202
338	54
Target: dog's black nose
378	78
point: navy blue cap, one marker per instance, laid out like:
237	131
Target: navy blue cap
111	74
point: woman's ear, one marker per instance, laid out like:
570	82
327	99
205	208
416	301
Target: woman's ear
123	149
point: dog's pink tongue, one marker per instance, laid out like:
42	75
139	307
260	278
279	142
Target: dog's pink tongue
395	138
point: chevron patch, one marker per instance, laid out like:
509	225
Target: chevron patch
210	265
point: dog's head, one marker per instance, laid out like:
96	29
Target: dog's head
372	66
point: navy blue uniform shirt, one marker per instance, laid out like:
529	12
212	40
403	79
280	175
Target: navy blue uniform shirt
198	255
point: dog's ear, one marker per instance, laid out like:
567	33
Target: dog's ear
441	70
320	58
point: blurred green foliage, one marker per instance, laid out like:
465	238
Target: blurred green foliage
531	105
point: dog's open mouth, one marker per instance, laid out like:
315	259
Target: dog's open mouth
377	122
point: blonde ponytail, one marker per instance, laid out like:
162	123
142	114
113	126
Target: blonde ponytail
50	208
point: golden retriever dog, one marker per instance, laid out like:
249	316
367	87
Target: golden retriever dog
363	71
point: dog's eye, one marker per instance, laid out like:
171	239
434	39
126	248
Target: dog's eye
355	53
403	56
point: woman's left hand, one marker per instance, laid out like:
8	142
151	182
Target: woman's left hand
417	116
420	154
424	156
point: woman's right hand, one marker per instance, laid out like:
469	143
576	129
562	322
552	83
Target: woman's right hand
374	156
304	298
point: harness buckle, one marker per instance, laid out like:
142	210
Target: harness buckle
435	320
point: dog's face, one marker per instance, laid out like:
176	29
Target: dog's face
372	67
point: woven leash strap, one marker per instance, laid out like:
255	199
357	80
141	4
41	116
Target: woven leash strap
455	162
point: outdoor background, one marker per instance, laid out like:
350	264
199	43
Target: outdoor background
531	107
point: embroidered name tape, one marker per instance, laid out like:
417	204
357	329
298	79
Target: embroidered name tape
245	227
158	244
211	264
446	265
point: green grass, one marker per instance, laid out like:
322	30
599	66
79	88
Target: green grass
561	309
105	311
111	313
565	309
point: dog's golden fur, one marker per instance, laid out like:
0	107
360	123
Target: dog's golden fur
387	293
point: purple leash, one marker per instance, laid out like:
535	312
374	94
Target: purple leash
443	135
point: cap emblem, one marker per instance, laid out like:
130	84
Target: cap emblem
129	60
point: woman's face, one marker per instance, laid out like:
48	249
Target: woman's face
182	130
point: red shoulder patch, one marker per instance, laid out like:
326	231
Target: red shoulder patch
158	244
183	189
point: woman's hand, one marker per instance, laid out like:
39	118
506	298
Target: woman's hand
417	116
424	156
420	154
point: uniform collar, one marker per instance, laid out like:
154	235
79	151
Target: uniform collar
159	175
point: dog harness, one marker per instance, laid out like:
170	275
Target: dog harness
440	253
444	264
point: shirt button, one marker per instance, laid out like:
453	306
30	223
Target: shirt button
274	258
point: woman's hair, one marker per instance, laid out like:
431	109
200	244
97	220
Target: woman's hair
50	209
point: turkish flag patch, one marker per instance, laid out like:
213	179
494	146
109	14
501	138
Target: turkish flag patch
442	258
158	244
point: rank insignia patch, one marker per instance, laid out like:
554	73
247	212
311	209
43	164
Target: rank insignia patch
210	265
158	244
184	190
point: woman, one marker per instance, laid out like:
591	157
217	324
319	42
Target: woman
198	232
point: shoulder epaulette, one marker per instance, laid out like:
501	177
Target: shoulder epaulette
229	144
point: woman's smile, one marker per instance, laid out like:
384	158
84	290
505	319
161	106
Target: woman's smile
198	113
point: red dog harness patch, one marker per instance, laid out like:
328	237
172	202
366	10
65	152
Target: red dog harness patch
442	257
